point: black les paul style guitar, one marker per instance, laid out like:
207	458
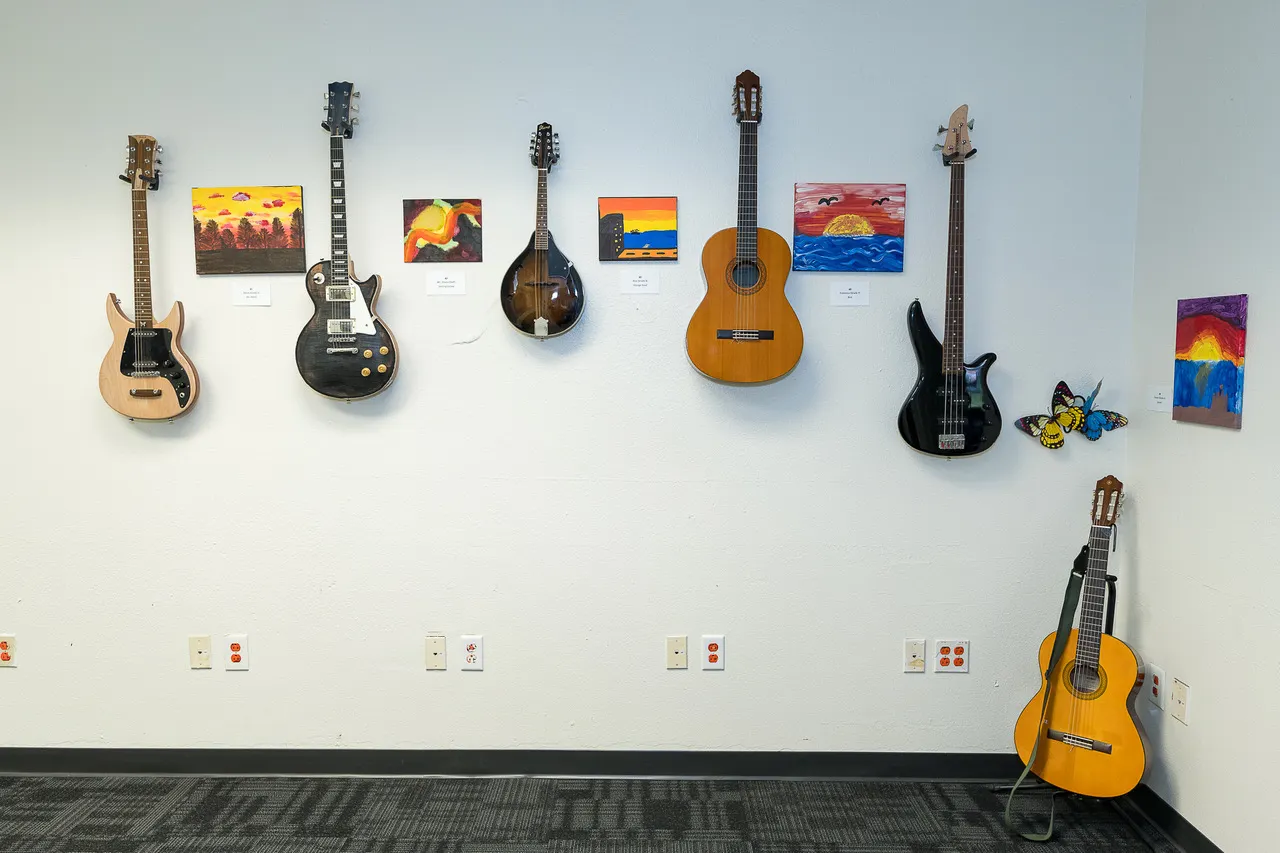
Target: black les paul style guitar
950	411
344	352
542	291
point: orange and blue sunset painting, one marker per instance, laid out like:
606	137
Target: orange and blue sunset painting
442	230
248	230
638	229
1208	367
849	227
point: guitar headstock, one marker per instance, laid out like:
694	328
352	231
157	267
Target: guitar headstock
957	148
747	97
1108	498
340	107
142	163
544	147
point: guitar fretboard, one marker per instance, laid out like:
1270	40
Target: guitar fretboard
953	332
747	185
143	317
338	210
1093	599
541	234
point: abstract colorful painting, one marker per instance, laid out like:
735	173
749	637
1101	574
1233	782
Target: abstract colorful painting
248	230
849	227
442	230
1208	366
638	229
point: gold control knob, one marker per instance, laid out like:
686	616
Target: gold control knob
368	353
383	350
382	368
364	372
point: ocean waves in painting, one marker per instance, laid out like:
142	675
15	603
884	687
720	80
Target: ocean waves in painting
649	240
876	253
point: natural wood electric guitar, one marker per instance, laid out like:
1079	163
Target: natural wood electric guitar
1089	741
146	375
745	329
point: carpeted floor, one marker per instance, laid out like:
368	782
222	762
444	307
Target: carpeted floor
518	815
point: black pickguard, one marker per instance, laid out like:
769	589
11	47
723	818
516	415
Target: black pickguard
922	419
542	284
149	352
340	375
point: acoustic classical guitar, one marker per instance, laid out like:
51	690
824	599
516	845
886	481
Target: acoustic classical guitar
345	351
745	329
950	411
146	375
1089	741
542	292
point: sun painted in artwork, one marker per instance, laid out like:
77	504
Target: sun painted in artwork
1208	367
638	229
849	227
441	230
248	230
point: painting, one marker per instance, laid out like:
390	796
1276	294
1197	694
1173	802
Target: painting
849	227
638	229
1208	366
248	230
442	230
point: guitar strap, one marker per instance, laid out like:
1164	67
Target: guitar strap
1070	602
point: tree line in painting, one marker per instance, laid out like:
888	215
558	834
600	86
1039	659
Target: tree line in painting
211	238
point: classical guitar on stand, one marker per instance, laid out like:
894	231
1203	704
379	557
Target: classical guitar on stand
1088	741
542	292
146	375
745	329
950	411
345	351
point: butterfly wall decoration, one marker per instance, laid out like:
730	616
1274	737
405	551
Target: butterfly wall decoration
1070	413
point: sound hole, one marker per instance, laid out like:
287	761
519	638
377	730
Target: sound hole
1085	681
745	276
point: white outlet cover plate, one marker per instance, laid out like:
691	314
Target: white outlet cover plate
8	646
472	652
200	651
713	651
678	652
1155	686
1180	693
951	655
435	652
913	656
235	648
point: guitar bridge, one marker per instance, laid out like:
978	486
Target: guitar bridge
1080	742
744	334
951	441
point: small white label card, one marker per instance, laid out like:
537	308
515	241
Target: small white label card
251	293
1159	398
638	281
446	282
845	293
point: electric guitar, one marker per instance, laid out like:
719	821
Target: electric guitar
950	411
146	375
542	292
745	329
1089	742
345	351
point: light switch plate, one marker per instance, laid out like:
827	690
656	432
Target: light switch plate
713	651
200	651
472	652
951	655
435	652
678	652
235	647
1181	697
913	656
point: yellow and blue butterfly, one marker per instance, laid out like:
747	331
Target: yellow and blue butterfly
1068	413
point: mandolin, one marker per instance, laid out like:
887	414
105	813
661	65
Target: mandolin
146	375
542	292
1089	742
745	329
950	411
345	351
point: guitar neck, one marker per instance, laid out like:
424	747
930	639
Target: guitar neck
143	316
1093	598
953	333
338	209
541	234
747	224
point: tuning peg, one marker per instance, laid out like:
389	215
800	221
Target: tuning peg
355	108
159	150
937	147
941	129
971	124
355	94
326	97
355	121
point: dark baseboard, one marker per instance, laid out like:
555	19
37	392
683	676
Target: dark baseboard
512	762
1172	824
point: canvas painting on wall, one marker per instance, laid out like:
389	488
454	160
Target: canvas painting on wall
849	227
442	230
248	230
1208	367
638	229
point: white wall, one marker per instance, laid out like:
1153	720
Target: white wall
1203	526
573	501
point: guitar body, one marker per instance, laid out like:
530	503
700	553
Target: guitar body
359	368
172	386
542	293
1116	763
925	415
740	299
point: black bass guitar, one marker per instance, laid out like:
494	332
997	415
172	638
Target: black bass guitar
542	292
950	411
344	352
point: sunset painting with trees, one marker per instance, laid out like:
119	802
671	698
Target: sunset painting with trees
248	230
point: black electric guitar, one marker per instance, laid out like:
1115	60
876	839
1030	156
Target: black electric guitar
950	411
542	291
344	352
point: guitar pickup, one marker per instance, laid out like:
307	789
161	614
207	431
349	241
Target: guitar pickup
341	327
1081	742
744	334
951	442
144	393
340	293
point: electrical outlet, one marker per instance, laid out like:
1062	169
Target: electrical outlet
713	651
1155	687
472	652
1181	695
200	651
913	656
236	650
435	651
678	652
951	656
8	650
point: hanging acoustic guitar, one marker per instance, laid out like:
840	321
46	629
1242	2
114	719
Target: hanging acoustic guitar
146	375
950	411
745	329
345	351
